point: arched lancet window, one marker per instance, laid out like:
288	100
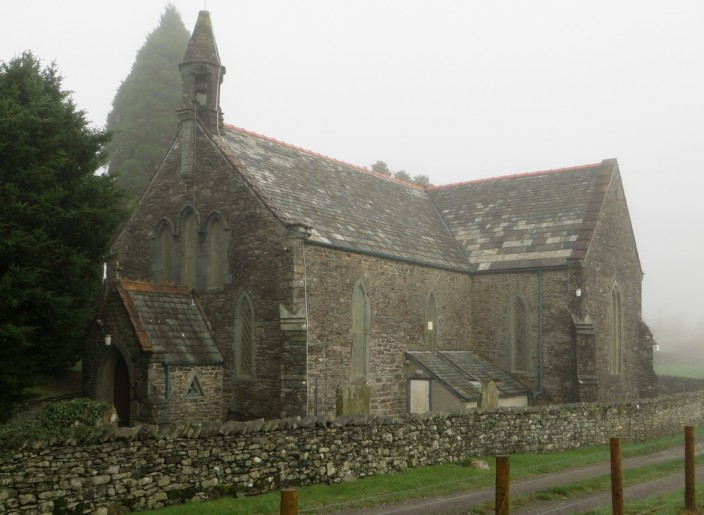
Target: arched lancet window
519	333
216	252
189	246
244	338
615	347
360	332
431	323
163	271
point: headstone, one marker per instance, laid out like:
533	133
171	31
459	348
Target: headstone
489	398
352	400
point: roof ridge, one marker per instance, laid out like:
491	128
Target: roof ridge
325	157
150	287
516	175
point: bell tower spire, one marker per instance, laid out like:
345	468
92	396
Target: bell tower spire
202	74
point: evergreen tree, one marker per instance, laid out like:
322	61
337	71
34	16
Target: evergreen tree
143	118
56	219
402	175
382	168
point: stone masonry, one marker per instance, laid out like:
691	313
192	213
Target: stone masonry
149	467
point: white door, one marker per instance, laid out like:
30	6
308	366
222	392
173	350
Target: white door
420	395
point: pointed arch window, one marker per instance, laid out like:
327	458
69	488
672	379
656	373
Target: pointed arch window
244	338
360	333
431	323
615	347
519	333
216	253
189	247
163	271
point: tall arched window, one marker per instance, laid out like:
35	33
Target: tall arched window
163	271
615	347
519	333
431	323
189	245
216	253
244	338
360	332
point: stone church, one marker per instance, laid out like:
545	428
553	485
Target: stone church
256	279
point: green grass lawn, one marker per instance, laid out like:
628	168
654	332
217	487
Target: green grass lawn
417	483
691	371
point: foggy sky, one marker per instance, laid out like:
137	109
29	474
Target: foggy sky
457	90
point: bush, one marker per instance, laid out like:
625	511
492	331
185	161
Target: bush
63	420
76	412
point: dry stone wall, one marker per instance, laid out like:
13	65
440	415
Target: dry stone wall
149	467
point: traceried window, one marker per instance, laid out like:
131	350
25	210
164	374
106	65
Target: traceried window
431	323
244	338
360	333
518	333
615	347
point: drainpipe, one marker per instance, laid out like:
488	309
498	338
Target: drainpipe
540	336
167	388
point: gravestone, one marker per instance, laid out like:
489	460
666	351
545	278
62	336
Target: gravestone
352	400
490	396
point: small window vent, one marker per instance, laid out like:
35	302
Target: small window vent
194	389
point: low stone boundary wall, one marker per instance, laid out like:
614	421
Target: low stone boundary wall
149	466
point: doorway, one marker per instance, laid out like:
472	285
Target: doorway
121	389
419	393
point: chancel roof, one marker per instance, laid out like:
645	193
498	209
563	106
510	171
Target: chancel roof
169	323
529	220
538	219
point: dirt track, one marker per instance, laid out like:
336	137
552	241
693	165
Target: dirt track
463	503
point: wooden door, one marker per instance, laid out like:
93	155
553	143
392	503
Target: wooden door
419	390
122	391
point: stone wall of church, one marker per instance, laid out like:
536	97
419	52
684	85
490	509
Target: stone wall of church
258	262
613	258
490	296
398	294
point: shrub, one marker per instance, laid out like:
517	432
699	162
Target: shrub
63	420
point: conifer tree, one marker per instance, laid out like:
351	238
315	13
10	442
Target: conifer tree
143	119
56	220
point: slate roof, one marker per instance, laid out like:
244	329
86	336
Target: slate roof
345	206
169	322
463	373
537	219
520	221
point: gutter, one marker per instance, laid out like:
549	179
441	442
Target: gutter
540	335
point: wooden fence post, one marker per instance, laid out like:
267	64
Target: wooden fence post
503	498
689	497
289	501
616	479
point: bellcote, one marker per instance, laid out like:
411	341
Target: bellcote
201	75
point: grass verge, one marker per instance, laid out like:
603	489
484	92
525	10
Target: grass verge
601	484
417	483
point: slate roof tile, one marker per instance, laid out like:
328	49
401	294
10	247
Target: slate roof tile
347	207
463	372
169	323
535	219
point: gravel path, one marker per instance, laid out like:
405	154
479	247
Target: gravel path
464	502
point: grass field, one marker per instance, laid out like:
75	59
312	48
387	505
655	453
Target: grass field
421	482
691	371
